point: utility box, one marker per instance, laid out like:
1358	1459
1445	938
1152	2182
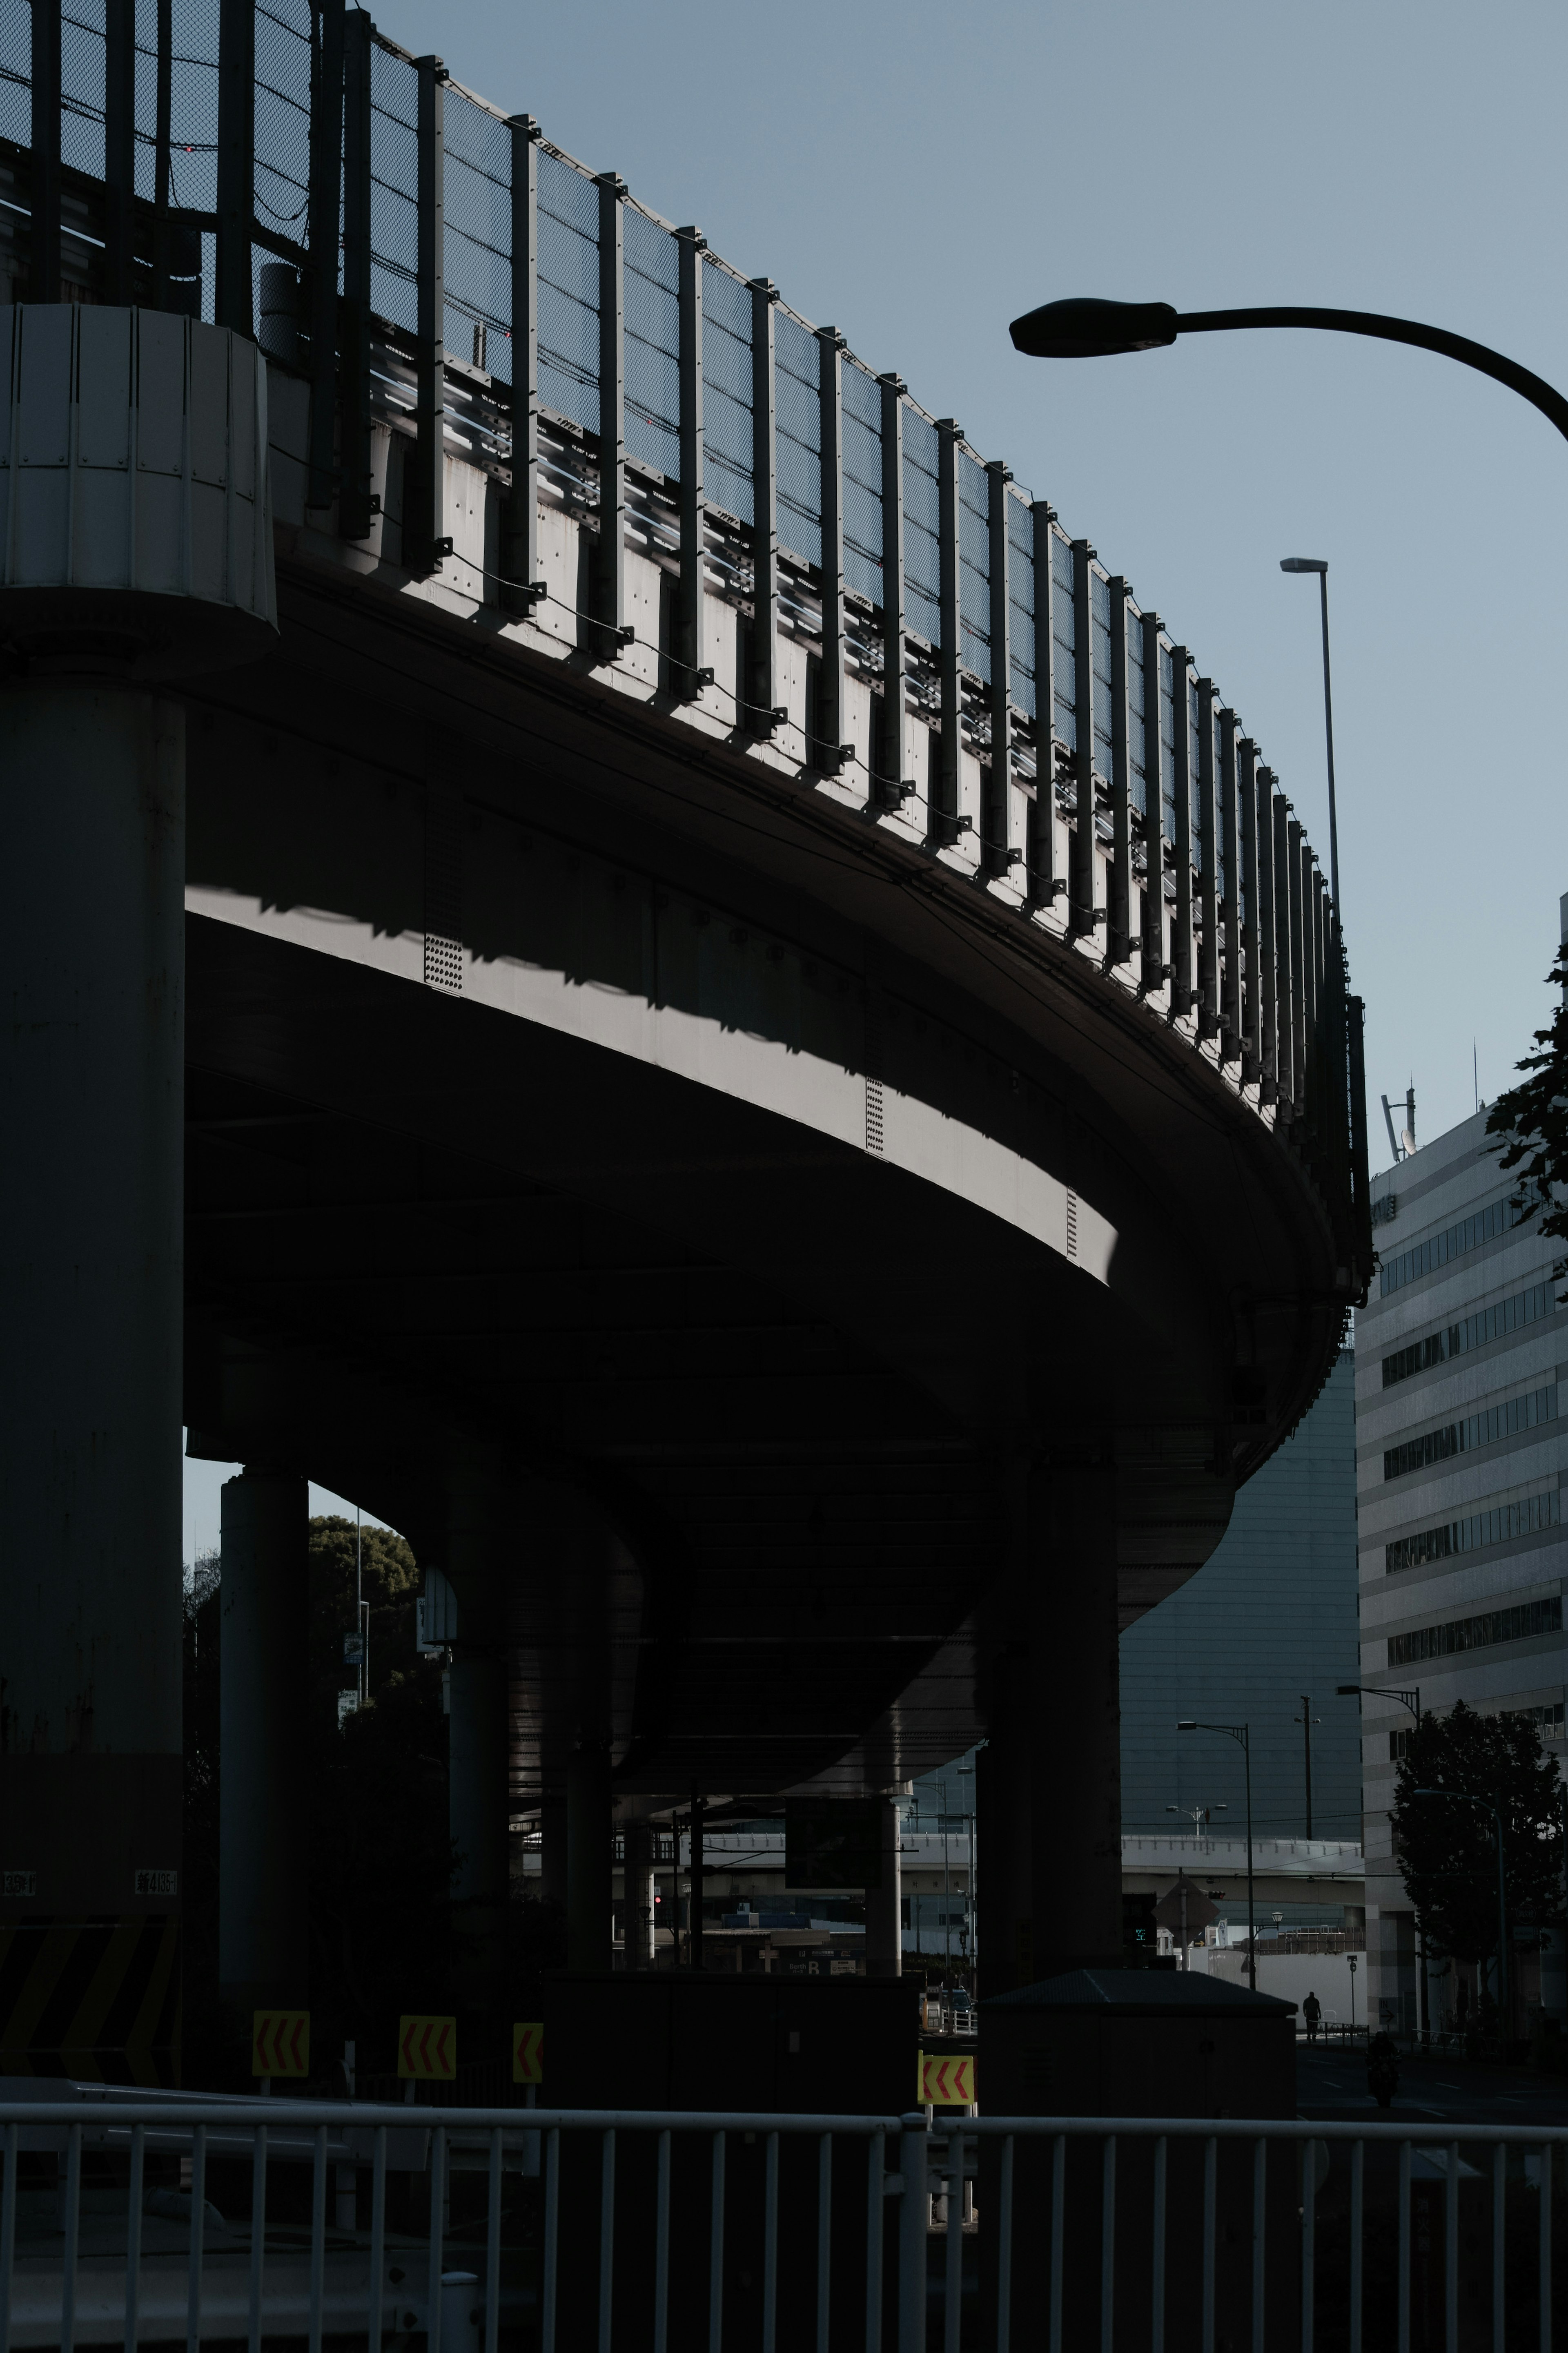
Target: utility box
1142	2043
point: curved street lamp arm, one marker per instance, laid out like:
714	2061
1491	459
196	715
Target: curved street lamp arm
1479	356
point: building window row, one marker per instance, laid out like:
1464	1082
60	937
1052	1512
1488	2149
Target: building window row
1488	1323
1499	1525
1476	1634
1476	1430
1484	1226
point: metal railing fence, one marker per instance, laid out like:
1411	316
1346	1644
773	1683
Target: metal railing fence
635	2228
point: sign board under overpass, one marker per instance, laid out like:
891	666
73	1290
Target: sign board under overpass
833	1842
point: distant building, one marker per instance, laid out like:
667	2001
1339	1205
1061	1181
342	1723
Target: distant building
1269	1618
1461	1452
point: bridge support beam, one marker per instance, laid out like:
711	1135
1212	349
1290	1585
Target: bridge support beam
884	1904
92	818
477	1814
639	1908
589	1858
1050	1774
264	1805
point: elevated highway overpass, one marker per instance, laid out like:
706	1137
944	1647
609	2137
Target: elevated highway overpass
763	1065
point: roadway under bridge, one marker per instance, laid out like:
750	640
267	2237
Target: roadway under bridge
763	1066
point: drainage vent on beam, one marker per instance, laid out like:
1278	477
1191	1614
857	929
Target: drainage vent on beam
1072	1225
444	890
874	1116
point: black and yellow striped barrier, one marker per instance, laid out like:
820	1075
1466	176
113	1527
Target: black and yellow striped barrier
97	2000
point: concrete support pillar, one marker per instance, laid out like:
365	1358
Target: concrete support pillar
1074	1719
264	1806
638	1909
589	1859
92	818
884	1904
553	1849
477	1756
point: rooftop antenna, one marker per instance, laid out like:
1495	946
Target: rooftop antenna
1475	1073
1394	1153
1410	1138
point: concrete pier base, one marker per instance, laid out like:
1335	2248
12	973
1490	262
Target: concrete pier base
264	1867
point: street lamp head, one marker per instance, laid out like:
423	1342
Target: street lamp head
1186	1723
1302	564
1090	329
1347	1690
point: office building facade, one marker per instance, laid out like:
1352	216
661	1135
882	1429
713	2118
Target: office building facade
1460	1452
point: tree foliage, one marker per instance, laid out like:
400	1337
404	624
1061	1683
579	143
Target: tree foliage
1448	1849
1530	1122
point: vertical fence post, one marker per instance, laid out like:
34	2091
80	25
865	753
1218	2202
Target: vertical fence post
44	180
661	2249
691	660
1500	2205
952	2269
318	2236
1058	2235
913	2235
198	2230
1286	1072
234	305
945	826
1228	792
72	2239
326	192
1545	2247
999	852
550	2280
715	2252
356	504
424	488
1211	2170
876	2153
610	569
132	2239
1209	802
1157	2253
492	2247
258	2245
1108	2208
1182	847
377	2237
1358	2183
760	685
1309	2244
1044	881
830	752
1259	2238
770	2246
1264	932
1251	997
1085	914
521	562
1005	2248
437	2177
824	2239
606	2237
1404	2312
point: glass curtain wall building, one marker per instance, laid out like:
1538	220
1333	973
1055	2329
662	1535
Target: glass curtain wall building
1270	1618
1460	1456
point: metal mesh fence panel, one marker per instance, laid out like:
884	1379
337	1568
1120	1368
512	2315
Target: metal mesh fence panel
82	63
15	72
1137	737
922	527
146	97
653	344
394	189
862	482
477	236
193	136
1195	797
799	440
568	291
1064	636
285	37
1168	742
1021	601
727	390
1100	668
974	564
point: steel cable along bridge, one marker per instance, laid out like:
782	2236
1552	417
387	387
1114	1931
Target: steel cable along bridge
769	1071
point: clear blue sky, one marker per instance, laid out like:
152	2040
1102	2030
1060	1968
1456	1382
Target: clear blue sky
918	174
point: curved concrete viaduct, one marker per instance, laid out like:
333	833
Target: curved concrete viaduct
803	1202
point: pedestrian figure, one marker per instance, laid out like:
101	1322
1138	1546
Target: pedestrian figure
1311	2011
1382	2070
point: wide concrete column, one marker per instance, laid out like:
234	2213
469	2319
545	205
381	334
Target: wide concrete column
640	1839
478	1755
590	1862
884	1903
264	1800
1074	1719
92	819
135	545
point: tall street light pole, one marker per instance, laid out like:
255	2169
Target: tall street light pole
1410	1699
1318	564
1242	1735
